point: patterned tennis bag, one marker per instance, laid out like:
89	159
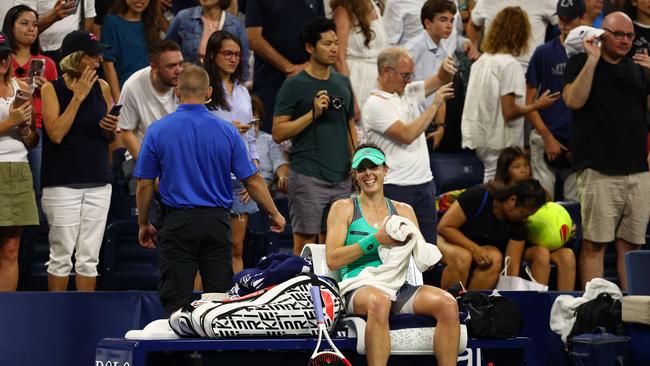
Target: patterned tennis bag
280	310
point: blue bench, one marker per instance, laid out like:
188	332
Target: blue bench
123	352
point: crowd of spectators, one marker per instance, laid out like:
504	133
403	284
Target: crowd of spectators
301	84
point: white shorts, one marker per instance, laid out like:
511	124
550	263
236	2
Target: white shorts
77	219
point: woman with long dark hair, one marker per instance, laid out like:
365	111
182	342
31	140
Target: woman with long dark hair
356	229
17	202
232	102
21	27
130	28
192	27
362	37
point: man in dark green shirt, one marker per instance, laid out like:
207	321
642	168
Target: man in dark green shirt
315	109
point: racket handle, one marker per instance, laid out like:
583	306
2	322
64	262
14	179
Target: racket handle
318	306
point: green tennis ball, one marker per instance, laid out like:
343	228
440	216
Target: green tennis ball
550	226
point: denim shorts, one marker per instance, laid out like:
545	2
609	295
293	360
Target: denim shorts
239	207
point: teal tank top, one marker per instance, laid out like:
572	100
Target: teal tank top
358	229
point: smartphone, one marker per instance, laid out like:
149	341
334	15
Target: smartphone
115	110
36	68
22	97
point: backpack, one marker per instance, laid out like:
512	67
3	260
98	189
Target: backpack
489	317
603	311
285	309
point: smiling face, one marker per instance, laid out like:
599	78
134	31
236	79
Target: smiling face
370	177
25	28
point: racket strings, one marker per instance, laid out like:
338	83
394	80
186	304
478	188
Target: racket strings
328	359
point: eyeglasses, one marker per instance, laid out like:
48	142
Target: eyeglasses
228	55
618	35
406	76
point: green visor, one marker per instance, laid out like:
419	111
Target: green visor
370	153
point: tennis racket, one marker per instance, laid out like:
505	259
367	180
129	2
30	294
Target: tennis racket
331	357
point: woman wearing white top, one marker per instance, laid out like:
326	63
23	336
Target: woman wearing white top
493	115
17	201
361	34
232	102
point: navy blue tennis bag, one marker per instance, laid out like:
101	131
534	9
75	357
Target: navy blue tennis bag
600	349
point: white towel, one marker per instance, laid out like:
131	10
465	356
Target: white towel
391	274
564	306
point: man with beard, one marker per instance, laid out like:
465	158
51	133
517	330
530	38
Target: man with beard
315	110
147	96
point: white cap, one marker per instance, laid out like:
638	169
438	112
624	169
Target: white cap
573	42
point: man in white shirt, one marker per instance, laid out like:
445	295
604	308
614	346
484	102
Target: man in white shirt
541	14
147	96
392	120
57	18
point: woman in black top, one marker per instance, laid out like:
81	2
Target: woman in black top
486	221
75	173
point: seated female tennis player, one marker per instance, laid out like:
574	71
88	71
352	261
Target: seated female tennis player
355	229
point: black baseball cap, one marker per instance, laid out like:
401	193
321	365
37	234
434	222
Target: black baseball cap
82	40
570	8
5	46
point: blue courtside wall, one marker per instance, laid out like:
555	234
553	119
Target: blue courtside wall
62	329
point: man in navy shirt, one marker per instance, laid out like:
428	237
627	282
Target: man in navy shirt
273	28
551	136
193	153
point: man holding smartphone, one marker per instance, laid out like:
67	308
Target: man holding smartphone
550	138
147	96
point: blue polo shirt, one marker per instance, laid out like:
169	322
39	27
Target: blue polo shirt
193	152
546	71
